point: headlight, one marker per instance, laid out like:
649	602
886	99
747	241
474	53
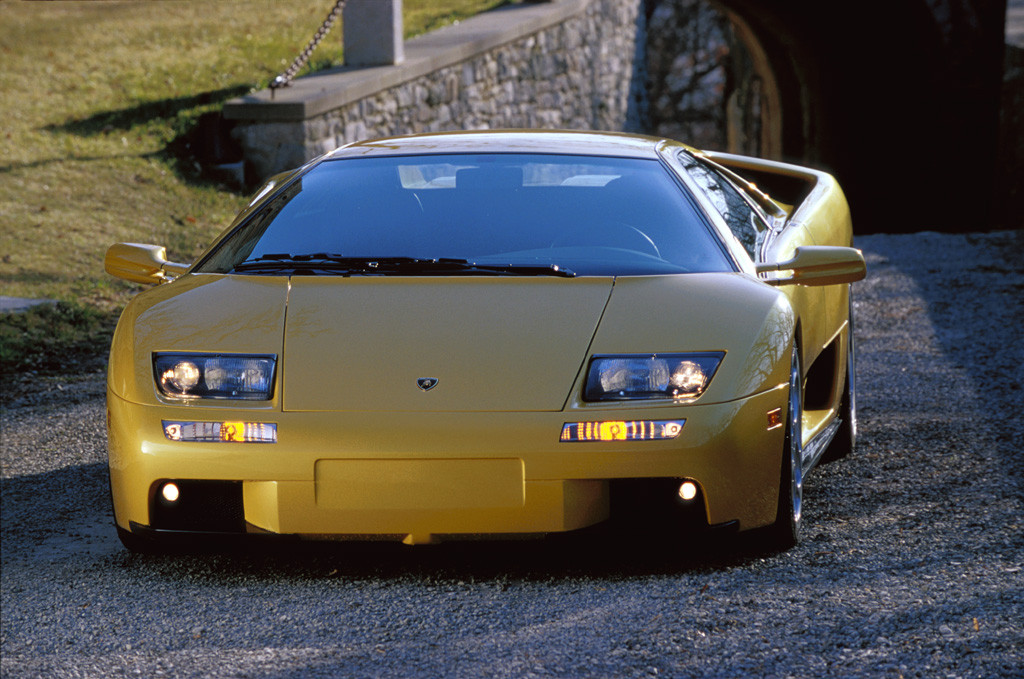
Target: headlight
650	376
231	376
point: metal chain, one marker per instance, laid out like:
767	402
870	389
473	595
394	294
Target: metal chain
286	78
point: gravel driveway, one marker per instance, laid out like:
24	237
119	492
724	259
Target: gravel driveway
912	566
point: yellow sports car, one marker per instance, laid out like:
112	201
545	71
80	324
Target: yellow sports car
490	333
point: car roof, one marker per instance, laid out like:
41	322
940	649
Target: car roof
509	141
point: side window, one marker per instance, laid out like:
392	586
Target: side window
743	220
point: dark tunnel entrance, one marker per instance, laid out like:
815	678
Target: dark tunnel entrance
900	100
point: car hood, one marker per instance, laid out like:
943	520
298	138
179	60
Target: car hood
491	343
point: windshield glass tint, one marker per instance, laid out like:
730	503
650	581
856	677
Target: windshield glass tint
591	215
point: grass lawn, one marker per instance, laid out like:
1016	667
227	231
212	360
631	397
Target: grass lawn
94	95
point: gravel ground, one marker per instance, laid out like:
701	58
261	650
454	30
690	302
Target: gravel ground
912	566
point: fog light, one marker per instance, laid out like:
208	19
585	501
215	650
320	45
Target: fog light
170	492
688	490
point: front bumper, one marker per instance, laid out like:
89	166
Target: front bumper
417	476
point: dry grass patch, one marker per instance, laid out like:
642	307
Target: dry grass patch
94	94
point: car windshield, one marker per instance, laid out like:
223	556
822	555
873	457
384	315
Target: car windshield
478	214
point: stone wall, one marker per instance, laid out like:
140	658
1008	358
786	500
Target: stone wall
566	64
704	87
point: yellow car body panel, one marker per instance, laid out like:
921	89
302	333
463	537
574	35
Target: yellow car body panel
362	451
821	218
313	447
479	329
318	432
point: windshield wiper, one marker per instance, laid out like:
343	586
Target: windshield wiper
324	261
517	269
347	266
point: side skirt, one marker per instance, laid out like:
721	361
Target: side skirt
816	447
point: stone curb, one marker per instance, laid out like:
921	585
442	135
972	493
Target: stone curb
16	304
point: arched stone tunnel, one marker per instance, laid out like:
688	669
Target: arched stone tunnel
898	98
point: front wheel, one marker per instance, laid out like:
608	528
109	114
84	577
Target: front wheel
785	532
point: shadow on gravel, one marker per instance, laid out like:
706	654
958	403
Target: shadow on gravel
938	468
983	334
549	560
591	554
38	507
973	287
56	509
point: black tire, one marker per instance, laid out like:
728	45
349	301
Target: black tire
846	438
785	532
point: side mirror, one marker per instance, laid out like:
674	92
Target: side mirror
819	265
141	263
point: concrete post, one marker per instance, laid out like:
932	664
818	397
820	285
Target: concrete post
373	32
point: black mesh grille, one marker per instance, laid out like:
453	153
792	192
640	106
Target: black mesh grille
213	506
655	504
